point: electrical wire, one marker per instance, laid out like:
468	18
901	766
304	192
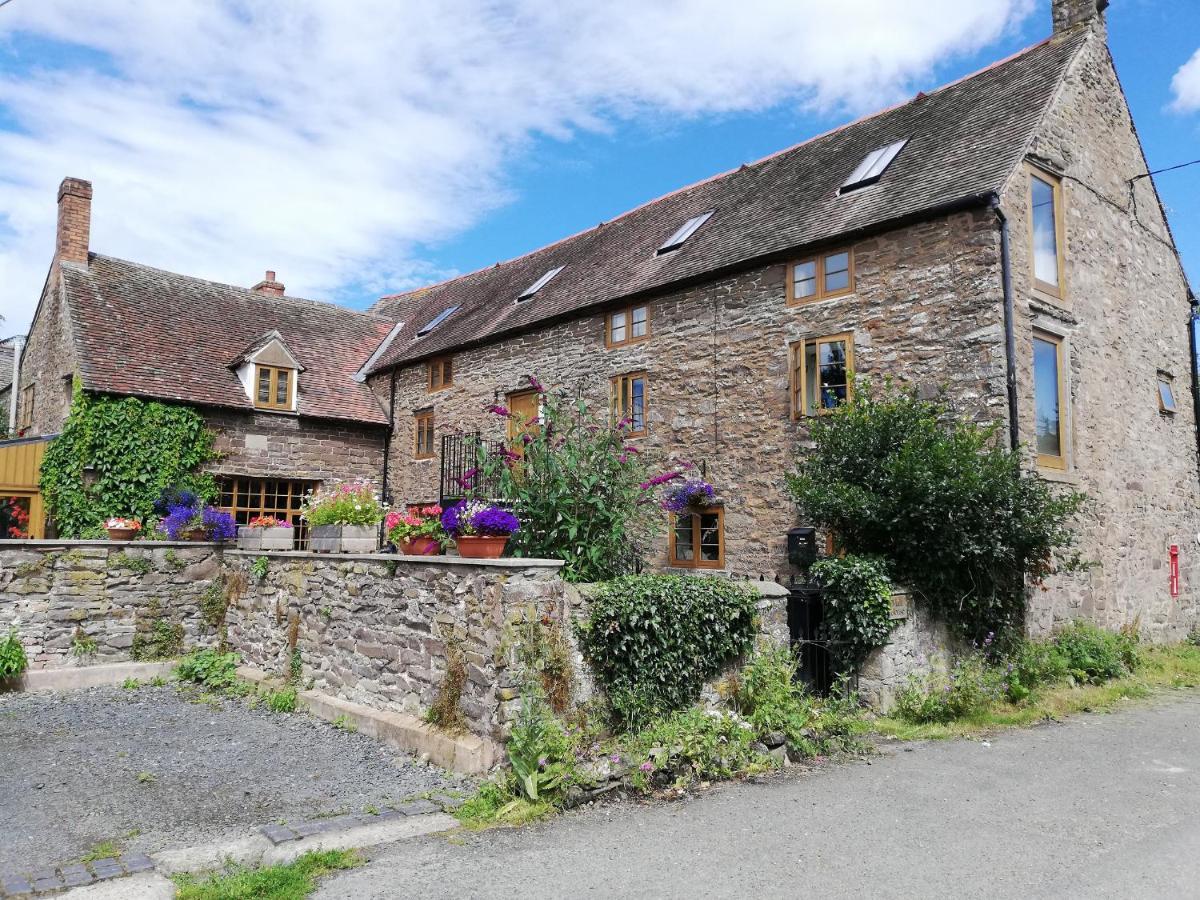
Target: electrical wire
1167	169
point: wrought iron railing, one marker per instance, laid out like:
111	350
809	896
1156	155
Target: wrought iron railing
460	475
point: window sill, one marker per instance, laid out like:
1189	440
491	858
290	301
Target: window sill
275	412
1048	304
1060	476
818	301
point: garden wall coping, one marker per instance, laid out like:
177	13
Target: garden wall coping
51	544
502	563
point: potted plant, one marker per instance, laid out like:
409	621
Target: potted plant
480	529
344	518
692	494
265	533
197	522
120	528
417	532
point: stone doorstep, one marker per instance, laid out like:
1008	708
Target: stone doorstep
77	677
466	753
71	875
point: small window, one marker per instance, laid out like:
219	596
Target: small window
822	374
697	540
1046	228
1049	401
274	388
441	373
25	419
1166	394
685	231
629	401
871	169
627	326
436	321
828	275
423	422
538	285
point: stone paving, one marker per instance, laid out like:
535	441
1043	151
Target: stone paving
69	875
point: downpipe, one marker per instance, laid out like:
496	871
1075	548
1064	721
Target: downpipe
1010	339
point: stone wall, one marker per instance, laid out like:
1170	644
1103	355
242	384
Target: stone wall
48	362
918	643
927	309
1124	319
85	602
274	445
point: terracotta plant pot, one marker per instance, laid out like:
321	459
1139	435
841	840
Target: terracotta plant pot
193	534
481	546
121	534
421	546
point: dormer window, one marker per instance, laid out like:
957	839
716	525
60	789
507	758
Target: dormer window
275	388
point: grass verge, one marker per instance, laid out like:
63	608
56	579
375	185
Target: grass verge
1161	669
289	881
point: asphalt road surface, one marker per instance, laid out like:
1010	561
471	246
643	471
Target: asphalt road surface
1101	806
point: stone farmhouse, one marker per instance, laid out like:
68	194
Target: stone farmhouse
996	240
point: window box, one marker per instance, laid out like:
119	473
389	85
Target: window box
264	538
344	538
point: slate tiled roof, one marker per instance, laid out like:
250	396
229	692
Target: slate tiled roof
151	333
963	142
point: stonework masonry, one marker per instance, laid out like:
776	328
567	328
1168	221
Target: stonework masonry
48	362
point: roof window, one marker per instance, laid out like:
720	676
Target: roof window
437	320
871	169
685	231
538	285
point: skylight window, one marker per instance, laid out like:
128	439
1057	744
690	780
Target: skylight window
437	320
538	285
686	230
871	169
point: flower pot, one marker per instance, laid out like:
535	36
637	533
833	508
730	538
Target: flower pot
481	546
264	538
421	546
193	534
343	538
121	534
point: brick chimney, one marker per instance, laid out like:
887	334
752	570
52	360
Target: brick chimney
269	285
1071	14
74	220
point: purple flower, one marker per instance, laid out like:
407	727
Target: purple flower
536	385
542	761
498	410
615	758
693	492
218	524
660	479
647	766
475	517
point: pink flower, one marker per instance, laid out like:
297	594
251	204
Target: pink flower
536	385
647	766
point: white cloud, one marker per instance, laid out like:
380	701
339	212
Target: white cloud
1185	86
325	140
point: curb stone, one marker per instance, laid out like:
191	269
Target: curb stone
69	875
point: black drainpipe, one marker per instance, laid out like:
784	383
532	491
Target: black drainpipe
1010	339
1193	328
387	446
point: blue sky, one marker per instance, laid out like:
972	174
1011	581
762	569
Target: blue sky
375	146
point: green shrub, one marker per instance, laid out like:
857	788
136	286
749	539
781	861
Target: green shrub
653	640
162	640
969	687
210	668
13	660
952	511
539	750
1193	637
697	744
578	488
1092	655
857	604
283	700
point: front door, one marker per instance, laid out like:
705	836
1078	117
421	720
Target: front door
524	408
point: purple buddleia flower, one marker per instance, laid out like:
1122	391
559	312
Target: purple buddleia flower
692	493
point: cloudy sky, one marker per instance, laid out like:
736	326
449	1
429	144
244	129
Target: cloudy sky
368	146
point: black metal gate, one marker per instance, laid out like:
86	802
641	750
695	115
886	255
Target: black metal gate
804	622
459	470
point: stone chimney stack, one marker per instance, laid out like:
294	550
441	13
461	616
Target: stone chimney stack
269	285
1072	14
74	220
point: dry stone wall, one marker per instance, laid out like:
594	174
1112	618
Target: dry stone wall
85	602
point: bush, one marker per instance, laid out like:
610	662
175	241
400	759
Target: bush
653	640
344	503
697	745
857	604
950	509
283	700
578	488
1090	654
539	750
13	660
210	668
969	687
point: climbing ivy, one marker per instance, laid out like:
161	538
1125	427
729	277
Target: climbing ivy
136	449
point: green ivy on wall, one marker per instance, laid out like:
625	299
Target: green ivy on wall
135	449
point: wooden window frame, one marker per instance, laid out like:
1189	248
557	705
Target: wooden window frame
440	365
1048	460
798	372
272	388
696	562
1058	293
28	398
244	503
419	419
629	339
818	262
621	399
1166	378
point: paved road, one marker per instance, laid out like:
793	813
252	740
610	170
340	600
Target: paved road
1103	806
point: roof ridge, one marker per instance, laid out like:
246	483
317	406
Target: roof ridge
269	298
921	95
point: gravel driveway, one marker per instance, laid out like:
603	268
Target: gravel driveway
150	770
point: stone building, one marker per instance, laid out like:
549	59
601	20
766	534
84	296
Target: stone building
276	377
997	239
